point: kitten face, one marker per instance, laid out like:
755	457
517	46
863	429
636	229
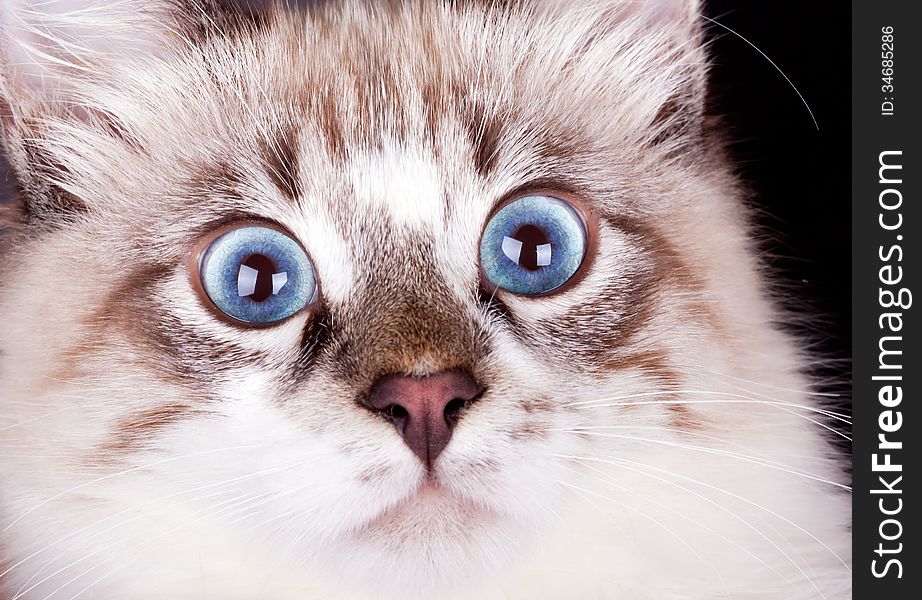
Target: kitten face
159	436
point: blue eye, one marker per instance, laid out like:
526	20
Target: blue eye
257	275
533	245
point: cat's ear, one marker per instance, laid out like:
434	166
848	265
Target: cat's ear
681	111
46	48
54	52
667	59
44	42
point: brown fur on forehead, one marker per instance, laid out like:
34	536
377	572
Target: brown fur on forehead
203	20
280	155
493	72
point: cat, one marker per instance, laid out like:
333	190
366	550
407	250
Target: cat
405	299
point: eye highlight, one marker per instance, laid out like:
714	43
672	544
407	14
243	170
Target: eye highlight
257	275
533	245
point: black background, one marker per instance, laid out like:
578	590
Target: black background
800	174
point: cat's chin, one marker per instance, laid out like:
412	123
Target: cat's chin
432	540
427	505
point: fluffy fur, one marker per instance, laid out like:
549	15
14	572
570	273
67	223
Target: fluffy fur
646	434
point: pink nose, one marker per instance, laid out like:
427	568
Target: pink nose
424	409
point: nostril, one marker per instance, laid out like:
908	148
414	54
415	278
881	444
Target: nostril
395	413
453	410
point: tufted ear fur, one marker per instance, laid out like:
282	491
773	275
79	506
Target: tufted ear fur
50	50
669	59
43	42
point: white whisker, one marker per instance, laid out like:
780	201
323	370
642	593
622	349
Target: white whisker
737	399
777	68
741	457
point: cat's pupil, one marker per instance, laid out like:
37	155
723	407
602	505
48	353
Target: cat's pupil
258	279
535	249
